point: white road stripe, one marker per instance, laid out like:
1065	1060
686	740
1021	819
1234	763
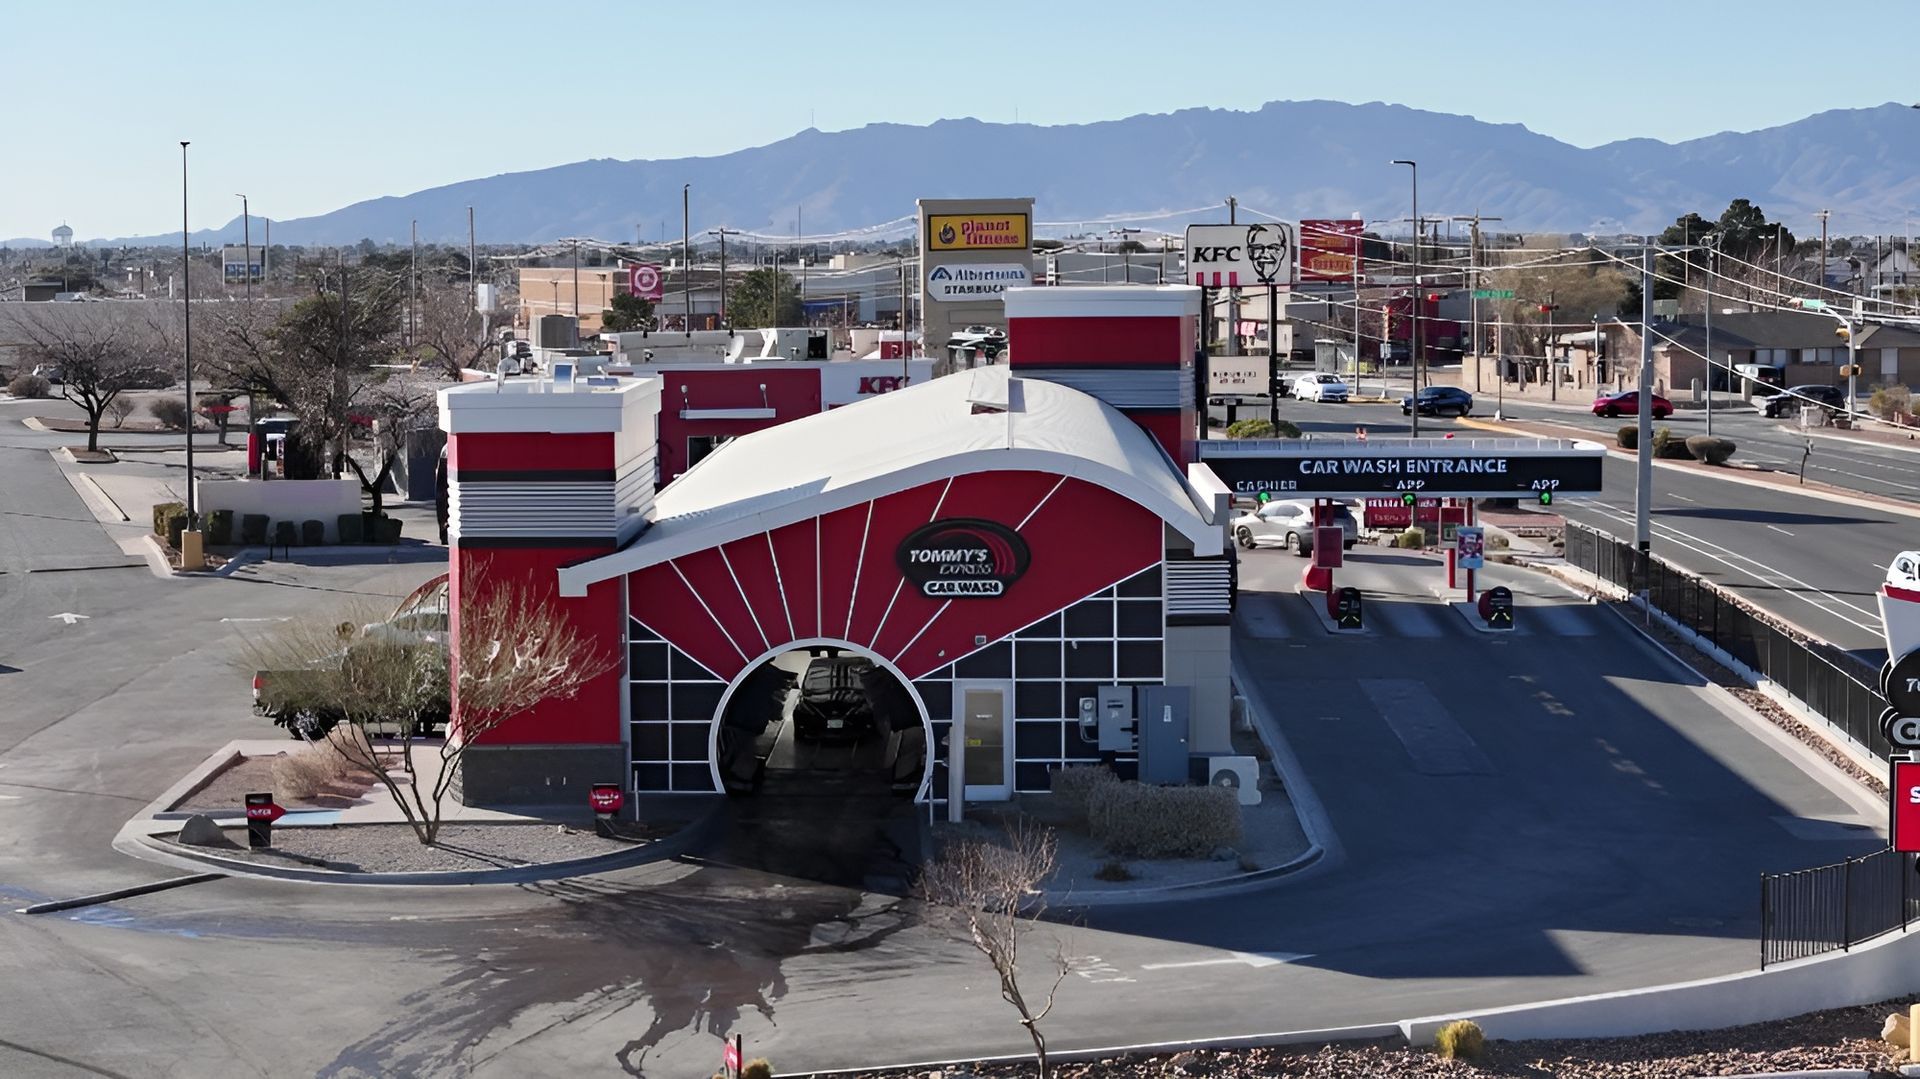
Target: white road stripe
1256	960
1780	530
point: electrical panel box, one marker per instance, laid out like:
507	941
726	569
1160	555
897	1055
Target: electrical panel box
1164	718
1117	734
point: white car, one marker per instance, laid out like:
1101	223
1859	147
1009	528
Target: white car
1320	387
425	626
1289	524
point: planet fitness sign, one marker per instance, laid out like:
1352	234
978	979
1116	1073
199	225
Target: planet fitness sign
977	232
963	559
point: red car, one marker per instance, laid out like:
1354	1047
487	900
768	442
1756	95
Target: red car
1627	403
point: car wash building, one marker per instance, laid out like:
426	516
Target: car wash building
973	580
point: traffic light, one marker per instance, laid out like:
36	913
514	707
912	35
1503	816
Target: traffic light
1434	297
1546	498
1263	497
1546	309
1844	333
1407	499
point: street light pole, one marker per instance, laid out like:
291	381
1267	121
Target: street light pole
686	253
1643	476
1414	412
723	233
246	244
186	293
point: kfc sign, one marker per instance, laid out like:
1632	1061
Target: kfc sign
1240	256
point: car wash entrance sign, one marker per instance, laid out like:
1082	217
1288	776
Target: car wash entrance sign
963	559
1461	468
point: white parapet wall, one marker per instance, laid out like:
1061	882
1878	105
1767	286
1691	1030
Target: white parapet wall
1882	969
282	500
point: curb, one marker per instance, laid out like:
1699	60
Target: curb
118	894
104	496
673	846
1307	807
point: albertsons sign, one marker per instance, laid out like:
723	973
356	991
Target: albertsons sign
974	282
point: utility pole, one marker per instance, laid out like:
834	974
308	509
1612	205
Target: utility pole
1233	295
1643	476
246	246
1473	275
1822	278
413	287
1414	308
723	233
473	265
686	252
186	315
1713	266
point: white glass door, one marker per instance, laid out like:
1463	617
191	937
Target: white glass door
983	740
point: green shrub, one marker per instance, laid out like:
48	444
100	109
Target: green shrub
757	1068
220	527
1113	872
1139	821
164	510
1714	451
253	529
285	534
1411	539
313	533
170	411
176	523
1461	1039
1250	429
351	528
388	532
1073	784
1886	402
1669	445
30	386
1628	437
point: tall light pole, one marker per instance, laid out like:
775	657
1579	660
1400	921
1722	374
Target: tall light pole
246	245
1822	279
1643	476
686	250
723	233
186	293
1414	171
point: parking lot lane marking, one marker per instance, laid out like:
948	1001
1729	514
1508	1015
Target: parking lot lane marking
1256	960
1683	498
1435	742
1780	530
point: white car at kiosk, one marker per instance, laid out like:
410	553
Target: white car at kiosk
1320	387
1290	524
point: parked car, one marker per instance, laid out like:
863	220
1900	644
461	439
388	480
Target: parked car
1290	524
1438	400
833	699
1627	402
1794	398
49	372
413	627
1320	387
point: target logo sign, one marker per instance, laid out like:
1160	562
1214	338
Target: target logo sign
643	280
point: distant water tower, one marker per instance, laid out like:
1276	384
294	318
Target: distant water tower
63	236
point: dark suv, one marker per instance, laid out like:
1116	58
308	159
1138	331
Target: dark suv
1789	402
833	699
1438	400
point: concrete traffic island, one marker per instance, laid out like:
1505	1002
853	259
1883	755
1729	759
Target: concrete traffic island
352	831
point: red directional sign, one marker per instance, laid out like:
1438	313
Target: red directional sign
1906	806
269	812
606	798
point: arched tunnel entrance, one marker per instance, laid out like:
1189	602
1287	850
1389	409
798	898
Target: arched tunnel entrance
823	749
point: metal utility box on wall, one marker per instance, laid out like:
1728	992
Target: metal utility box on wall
1117	734
1165	713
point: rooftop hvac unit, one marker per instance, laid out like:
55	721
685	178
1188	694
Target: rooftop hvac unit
1238	774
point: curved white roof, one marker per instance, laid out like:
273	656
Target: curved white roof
973	421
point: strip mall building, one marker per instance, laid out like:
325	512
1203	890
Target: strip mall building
996	545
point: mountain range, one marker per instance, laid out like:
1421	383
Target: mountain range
1290	159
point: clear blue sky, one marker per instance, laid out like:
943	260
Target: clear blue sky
307	107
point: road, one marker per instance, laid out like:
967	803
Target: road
1815	562
1599	826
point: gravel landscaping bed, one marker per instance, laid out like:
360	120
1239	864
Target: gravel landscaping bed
393	848
1843	1038
228	788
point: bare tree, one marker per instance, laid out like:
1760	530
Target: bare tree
393	404
988	894
518	648
450	336
100	350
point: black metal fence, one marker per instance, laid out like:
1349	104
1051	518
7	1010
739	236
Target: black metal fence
1831	683
1833	907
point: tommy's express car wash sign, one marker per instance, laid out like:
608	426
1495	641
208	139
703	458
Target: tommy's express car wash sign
977	232
963	559
1479	475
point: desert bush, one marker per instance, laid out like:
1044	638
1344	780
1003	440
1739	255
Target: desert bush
1140	821
164	510
1669	445
1497	542
757	1068
220	527
1073	785
174	525
1461	1039
1114	872
314	768
170	411
1411	539
119	409
1890	401
1714	451
1628	437
30	386
1250	429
